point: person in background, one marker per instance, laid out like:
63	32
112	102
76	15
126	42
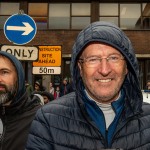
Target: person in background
29	88
17	110
57	93
64	87
148	84
38	97
51	88
71	88
47	96
38	86
106	111
146	92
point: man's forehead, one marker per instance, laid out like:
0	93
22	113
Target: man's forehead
8	61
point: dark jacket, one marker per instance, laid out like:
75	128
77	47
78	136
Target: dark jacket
16	118
66	124
65	89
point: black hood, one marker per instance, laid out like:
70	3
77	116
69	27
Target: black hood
112	35
20	73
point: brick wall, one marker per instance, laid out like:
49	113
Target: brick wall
139	39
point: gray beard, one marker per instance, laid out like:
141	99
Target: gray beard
4	98
7	96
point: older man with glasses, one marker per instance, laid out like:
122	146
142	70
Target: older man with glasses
106	111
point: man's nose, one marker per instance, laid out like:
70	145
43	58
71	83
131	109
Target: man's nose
104	67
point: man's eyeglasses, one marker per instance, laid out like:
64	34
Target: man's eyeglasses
95	61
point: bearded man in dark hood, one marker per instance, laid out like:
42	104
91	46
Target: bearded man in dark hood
17	110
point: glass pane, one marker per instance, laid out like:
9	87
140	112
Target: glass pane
80	22
59	23
110	9
143	6
59	10
129	15
41	22
81	9
59	16
9	8
110	19
38	9
2	21
146	15
146	9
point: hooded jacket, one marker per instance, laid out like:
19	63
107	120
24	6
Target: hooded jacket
66	123
16	118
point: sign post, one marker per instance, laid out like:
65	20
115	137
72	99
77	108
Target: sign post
20	29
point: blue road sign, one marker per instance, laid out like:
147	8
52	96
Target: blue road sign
20	29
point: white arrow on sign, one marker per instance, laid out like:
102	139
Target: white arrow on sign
27	28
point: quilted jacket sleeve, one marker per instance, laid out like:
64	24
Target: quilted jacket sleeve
39	137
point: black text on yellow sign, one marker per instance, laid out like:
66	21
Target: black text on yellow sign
49	56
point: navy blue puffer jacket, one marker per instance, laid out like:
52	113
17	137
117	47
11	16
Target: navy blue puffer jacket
64	124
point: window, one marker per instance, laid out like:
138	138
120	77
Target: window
129	15
109	9
146	15
69	15
80	15
59	16
109	12
9	8
6	10
80	22
126	16
110	19
39	12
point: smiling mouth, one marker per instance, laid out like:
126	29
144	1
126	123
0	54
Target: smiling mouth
2	88
105	81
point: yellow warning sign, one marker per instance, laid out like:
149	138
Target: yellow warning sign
49	56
